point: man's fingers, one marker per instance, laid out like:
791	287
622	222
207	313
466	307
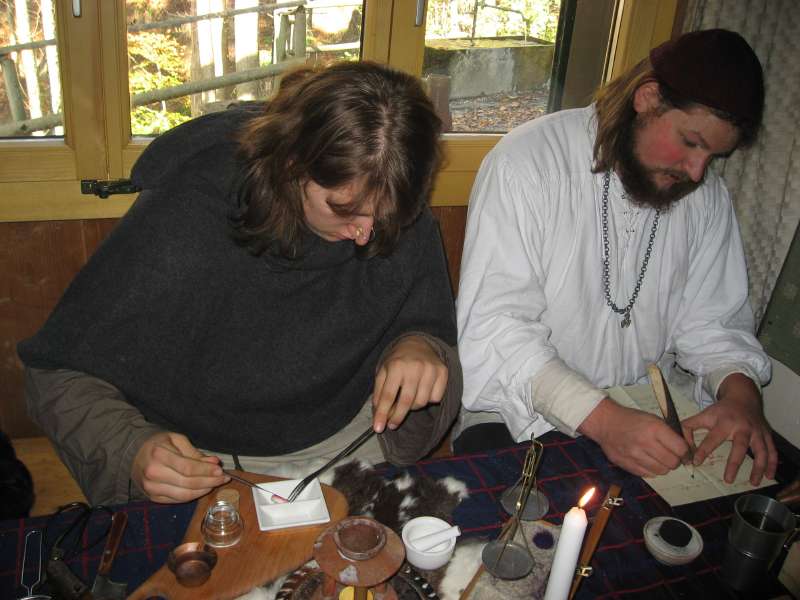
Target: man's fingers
735	458
772	457
701	420
688	435
760	458
712	440
643	465
674	447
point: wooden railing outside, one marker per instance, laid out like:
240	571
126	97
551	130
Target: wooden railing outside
288	49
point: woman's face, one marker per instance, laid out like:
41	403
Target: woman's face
326	213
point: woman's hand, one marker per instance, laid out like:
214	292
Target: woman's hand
414	369
169	469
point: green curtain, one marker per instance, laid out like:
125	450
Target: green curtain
780	328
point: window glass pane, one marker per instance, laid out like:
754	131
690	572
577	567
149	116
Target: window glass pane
488	63
191	57
30	91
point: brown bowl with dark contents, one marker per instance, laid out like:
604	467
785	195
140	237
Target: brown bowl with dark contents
192	563
359	538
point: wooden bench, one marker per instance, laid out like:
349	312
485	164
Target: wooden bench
52	482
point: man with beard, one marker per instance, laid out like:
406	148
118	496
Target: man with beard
597	243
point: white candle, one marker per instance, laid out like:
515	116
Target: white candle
569	546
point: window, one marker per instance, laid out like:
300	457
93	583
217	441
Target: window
31	90
189	59
87	83
488	65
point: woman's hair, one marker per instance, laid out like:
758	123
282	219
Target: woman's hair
616	115
352	122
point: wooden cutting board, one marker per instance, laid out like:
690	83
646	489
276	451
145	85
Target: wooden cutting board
260	556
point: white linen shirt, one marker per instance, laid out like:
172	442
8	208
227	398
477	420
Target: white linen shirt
537	340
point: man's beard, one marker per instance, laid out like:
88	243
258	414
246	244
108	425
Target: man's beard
639	181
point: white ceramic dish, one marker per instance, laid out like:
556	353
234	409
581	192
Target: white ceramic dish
308	509
436	556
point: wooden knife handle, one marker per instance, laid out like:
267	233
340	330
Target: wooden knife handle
118	523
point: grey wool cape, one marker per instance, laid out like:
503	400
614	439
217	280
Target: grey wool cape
251	355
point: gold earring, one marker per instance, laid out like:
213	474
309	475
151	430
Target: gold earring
359	231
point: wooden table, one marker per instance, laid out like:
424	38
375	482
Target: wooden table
258	558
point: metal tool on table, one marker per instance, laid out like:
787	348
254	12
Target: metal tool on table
348	450
103	588
235	477
504	557
252	484
352	447
65	584
667	406
30	587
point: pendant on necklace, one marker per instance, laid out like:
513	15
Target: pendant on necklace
626	321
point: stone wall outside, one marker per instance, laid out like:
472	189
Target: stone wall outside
490	68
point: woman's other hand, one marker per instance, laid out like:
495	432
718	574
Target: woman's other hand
414	369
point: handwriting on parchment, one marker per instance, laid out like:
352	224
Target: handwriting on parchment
687	484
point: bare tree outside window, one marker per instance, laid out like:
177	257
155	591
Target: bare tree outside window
487	63
30	90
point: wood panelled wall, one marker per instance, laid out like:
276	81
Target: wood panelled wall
38	261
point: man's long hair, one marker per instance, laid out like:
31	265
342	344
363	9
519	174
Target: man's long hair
616	115
353	122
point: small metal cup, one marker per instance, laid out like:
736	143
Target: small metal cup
760	527
192	563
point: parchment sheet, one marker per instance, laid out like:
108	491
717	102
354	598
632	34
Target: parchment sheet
688	484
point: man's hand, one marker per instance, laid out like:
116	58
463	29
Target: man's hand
737	416
637	441
415	370
170	470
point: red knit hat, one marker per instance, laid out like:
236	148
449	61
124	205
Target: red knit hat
715	67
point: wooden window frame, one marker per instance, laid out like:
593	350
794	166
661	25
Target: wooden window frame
40	179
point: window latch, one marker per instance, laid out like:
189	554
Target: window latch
106	187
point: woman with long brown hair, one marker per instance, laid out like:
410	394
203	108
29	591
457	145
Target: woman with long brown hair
280	267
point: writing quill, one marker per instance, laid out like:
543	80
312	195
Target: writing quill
667	406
